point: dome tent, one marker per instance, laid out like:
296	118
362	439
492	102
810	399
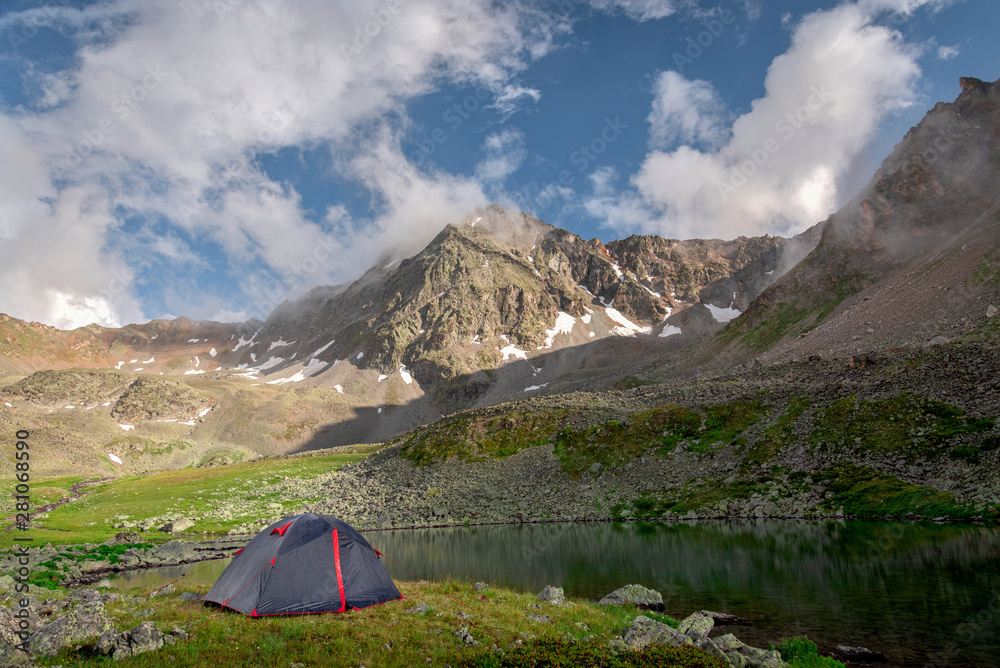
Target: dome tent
302	564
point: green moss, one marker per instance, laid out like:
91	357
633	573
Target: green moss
865	492
776	322
477	437
907	424
706	494
777	436
725	422
800	652
616	443
659	429
988	271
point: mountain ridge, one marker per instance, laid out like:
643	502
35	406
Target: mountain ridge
502	306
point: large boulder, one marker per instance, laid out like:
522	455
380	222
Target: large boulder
636	595
177	526
696	626
553	595
144	638
645	632
82	623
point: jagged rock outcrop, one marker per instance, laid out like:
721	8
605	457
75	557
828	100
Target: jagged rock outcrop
693	630
146	637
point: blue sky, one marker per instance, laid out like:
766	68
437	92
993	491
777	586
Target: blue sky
210	159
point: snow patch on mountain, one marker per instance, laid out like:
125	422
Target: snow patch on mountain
319	350
312	368
564	325
625	326
723	314
512	351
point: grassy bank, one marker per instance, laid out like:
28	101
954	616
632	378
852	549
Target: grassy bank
222	497
388	635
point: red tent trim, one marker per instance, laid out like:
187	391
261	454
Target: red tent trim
340	577
282	529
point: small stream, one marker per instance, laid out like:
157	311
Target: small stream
909	590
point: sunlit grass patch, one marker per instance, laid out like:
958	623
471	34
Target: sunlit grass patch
183	492
382	635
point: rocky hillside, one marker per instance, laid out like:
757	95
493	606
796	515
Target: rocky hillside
169	346
913	259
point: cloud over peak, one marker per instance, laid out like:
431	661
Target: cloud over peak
780	166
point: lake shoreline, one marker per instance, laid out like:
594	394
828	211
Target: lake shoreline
214	547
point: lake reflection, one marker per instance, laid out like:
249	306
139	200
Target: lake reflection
910	591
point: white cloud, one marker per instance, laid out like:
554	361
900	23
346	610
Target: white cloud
640	10
782	165
686	111
947	52
229	316
505	152
602	180
165	101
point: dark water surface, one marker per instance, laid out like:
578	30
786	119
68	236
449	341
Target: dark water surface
920	593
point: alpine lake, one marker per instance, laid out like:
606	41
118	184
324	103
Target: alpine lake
921	593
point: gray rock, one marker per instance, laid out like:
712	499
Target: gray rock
732	659
479	586
466	637
542	619
145	637
745	655
553	595
176	526
696	626
645	632
636	595
189	596
124	538
419	608
596	467
991	311
82	623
